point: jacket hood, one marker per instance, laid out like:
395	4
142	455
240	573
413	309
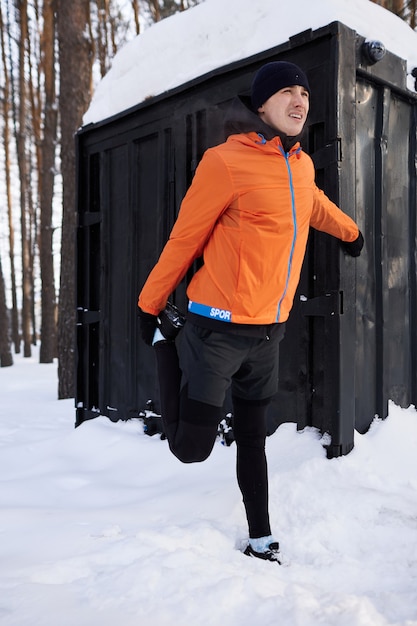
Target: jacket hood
241	118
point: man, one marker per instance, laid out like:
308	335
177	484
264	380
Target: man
248	213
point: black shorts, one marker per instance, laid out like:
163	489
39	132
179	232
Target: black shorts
213	361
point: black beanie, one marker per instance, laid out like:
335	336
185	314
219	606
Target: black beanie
274	76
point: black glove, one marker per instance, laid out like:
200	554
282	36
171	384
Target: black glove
147	326
353	248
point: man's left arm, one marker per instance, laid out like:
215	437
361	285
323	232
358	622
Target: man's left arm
327	217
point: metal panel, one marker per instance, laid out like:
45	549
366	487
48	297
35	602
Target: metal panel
153	174
116	256
395	152
88	289
386	277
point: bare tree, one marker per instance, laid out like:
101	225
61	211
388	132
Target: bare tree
33	141
46	178
406	9
108	29
23	172
396	6
155	10
161	9
102	35
6	358
6	147
412	7
135	8
75	61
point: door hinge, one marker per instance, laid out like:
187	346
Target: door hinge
329	304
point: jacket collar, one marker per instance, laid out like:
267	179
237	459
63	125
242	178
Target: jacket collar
275	143
241	118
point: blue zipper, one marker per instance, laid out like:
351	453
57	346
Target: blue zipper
294	219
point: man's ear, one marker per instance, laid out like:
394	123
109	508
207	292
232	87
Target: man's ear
261	109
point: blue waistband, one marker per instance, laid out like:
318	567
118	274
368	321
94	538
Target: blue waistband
223	315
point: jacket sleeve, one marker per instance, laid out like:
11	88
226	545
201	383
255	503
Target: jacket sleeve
327	217
207	198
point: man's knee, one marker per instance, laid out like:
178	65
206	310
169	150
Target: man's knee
193	443
196	430
191	456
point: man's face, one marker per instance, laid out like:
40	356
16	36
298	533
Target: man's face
286	110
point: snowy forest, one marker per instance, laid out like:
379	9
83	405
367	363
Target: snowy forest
53	54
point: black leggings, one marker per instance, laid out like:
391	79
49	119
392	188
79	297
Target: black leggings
191	430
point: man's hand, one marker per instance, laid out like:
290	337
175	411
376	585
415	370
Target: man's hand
147	323
353	248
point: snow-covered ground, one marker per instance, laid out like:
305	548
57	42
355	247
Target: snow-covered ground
101	525
216	33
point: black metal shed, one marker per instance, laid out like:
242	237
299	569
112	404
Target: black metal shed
351	342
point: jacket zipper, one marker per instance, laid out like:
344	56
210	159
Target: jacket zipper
294	219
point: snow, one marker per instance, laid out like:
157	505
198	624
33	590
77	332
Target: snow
216	33
101	525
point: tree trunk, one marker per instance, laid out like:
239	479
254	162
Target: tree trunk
75	62
135	7
102	12
6	358
47	176
6	145
398	7
413	14
155	9
22	162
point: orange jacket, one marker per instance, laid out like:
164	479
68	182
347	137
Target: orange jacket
248	212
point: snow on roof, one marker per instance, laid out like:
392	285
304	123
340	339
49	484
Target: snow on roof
215	33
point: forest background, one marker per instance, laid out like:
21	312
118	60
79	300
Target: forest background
53	54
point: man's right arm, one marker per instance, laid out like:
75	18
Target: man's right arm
208	196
